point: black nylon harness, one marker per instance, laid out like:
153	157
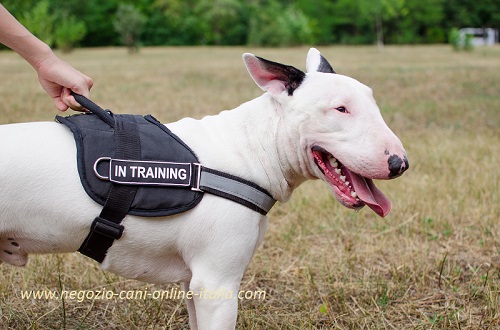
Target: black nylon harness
107	226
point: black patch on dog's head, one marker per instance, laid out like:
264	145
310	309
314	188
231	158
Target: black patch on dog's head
292	77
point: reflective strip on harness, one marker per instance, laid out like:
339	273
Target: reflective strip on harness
234	188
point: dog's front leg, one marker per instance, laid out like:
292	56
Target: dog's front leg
217	247
216	305
215	283
193	325
215	312
216	280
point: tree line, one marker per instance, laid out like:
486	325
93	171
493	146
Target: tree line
72	23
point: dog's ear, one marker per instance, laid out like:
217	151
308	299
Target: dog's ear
316	62
271	76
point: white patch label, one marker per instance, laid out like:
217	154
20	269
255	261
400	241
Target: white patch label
146	172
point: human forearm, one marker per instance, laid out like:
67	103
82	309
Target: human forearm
56	77
19	39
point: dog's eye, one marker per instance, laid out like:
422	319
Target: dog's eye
341	109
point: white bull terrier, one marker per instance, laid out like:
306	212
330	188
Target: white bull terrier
310	125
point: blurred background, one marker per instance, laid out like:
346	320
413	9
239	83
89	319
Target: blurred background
74	23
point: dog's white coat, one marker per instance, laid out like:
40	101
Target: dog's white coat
44	209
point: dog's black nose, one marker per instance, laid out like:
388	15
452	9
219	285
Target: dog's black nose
397	165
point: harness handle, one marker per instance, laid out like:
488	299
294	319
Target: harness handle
105	116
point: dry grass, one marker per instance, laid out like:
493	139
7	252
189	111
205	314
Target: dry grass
433	263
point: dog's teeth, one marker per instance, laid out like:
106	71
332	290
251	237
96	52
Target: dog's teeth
342	178
333	162
337	171
353	194
347	183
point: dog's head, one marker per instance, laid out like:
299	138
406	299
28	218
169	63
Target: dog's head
340	134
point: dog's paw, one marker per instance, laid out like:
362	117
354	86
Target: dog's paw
11	253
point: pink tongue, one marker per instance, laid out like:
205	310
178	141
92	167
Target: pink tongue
370	194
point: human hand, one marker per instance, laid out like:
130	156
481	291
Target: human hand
58	79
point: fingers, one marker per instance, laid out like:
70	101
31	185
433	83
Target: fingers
83	89
89	83
69	101
60	104
66	101
58	79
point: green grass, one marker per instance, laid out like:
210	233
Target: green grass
433	263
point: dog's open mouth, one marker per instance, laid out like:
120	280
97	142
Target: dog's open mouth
350	189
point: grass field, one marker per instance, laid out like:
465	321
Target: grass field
433	263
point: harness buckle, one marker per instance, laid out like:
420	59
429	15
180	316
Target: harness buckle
106	228
197	176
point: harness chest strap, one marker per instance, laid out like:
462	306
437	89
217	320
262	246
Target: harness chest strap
106	227
235	189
